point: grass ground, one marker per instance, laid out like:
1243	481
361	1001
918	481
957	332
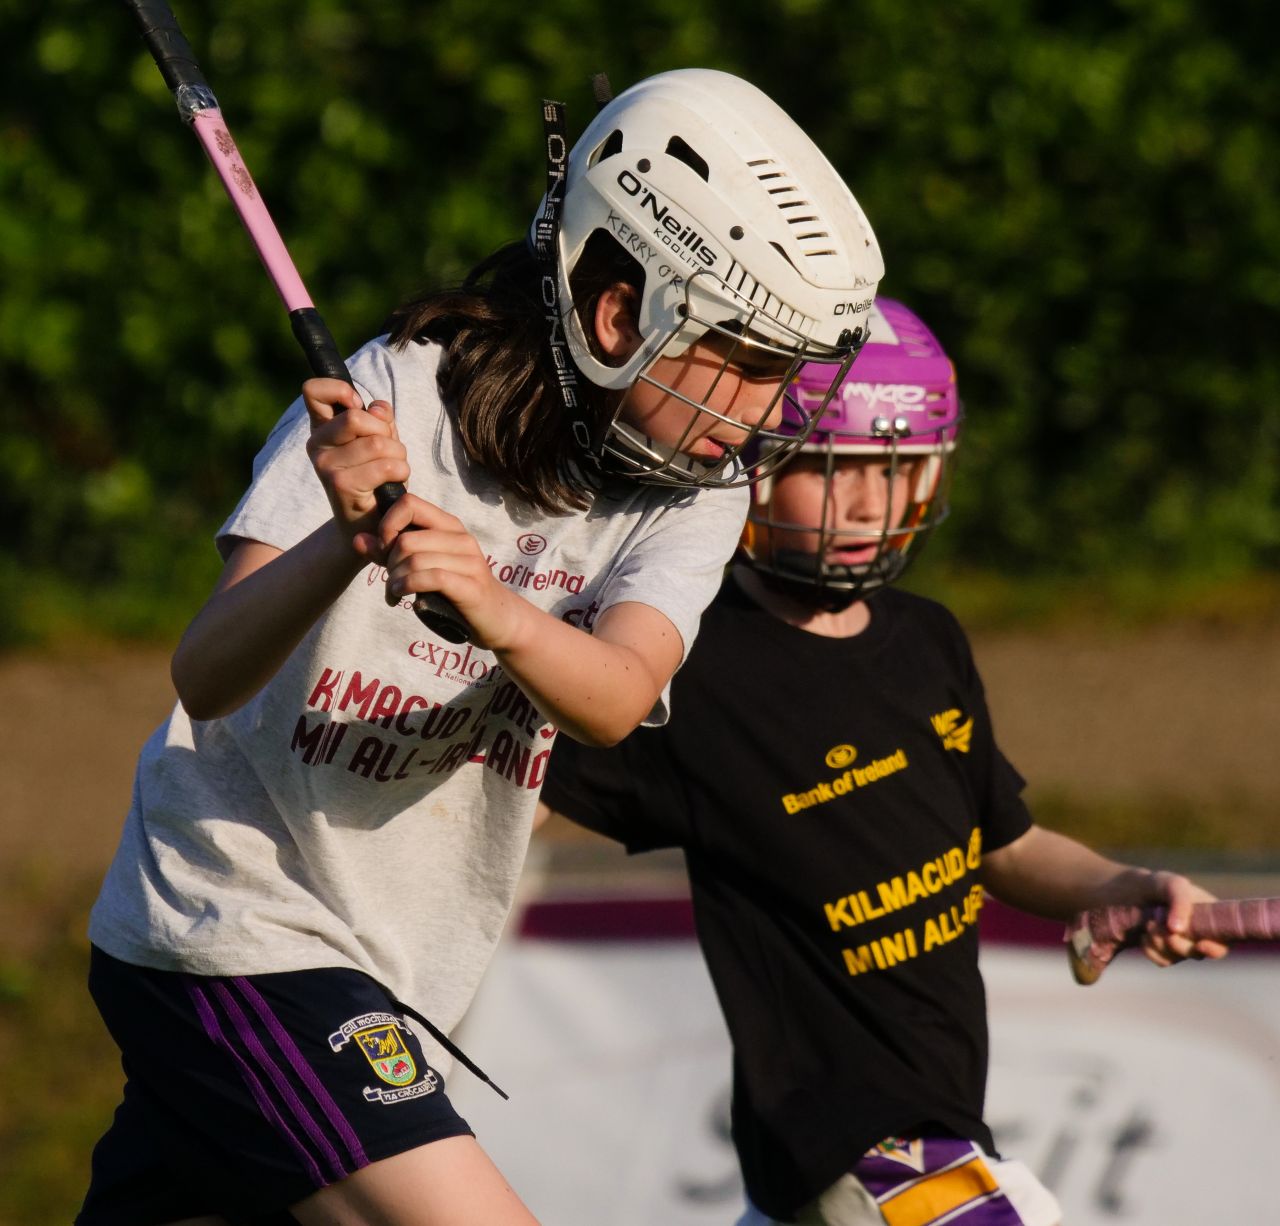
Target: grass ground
59	1071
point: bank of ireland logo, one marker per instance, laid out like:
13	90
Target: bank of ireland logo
840	756
531	543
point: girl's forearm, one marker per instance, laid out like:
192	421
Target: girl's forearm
263	607
1053	876
594	687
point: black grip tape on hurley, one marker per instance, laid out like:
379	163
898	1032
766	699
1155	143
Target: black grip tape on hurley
317	343
165	41
435	611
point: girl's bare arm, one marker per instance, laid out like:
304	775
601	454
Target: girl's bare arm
265	602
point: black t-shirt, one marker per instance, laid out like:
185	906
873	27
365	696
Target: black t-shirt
832	797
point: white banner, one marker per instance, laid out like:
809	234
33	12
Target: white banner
1150	1099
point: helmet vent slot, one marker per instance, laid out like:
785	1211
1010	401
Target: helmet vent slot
611	146
749	290
811	237
681	151
779	249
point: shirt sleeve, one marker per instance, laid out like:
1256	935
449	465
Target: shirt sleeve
678	565
628	793
1006	816
998	787
285	501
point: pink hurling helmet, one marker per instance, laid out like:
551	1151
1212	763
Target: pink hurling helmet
897	403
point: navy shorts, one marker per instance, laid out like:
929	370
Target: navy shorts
245	1094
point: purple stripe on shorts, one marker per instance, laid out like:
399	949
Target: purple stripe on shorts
214	1030
302	1067
882	1172
301	1112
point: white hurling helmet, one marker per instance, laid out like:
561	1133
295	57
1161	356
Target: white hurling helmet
742	228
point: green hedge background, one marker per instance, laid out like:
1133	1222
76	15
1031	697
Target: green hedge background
1083	205
1081	200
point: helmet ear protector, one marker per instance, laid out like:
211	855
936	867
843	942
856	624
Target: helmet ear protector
746	237
897	406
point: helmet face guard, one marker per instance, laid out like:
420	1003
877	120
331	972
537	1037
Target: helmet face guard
896	409
769	433
742	230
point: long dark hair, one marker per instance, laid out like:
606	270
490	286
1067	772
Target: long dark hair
496	374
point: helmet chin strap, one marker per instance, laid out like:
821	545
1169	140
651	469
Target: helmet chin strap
799	576
544	242
809	595
803	577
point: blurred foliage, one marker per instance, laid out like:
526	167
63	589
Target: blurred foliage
1082	200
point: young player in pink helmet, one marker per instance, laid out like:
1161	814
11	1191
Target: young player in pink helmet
833	779
897	414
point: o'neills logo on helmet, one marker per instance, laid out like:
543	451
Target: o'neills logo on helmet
681	236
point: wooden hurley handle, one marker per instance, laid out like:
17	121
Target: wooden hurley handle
1095	937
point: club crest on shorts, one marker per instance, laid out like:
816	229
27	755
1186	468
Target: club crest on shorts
379	1038
908	1151
389	1057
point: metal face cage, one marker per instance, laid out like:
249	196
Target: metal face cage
751	343
809	573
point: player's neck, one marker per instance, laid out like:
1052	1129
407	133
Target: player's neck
833	625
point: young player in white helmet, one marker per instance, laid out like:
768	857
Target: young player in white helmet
833	778
326	835
748	242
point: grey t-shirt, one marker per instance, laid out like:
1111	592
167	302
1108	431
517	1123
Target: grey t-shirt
370	807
